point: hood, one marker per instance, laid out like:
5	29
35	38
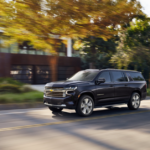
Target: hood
62	84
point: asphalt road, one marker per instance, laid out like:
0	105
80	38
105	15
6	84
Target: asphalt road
40	129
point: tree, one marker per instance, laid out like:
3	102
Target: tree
134	44
41	21
103	51
133	51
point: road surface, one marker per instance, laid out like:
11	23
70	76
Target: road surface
40	129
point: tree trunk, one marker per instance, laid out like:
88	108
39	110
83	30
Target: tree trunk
93	50
91	65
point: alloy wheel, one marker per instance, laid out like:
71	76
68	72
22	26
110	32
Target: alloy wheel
86	106
136	101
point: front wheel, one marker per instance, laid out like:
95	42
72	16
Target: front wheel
55	109
134	102
85	106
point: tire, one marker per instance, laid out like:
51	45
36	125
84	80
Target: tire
55	109
85	106
134	102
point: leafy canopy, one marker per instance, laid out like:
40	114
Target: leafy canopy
40	21
134	45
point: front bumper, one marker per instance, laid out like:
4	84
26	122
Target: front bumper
63	102
52	105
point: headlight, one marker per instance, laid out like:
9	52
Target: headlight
72	88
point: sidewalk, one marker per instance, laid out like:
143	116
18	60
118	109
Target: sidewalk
39	87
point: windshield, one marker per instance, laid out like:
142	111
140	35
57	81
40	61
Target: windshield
84	76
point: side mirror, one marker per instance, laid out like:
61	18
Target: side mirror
99	81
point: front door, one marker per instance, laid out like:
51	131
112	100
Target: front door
104	91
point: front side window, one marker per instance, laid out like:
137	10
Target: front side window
118	76
105	75
84	76
136	76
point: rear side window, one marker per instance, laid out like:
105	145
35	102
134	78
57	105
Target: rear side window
118	76
136	76
129	76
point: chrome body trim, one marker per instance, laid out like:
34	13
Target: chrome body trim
111	105
62	105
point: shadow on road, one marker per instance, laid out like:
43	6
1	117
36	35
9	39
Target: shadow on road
65	115
133	121
97	112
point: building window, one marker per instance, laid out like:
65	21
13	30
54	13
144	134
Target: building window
31	74
22	73
65	72
43	74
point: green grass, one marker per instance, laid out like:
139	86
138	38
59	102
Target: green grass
148	92
29	97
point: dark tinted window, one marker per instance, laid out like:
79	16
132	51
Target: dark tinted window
136	76
118	76
22	73
106	76
129	76
43	74
125	76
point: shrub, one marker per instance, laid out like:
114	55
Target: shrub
27	88
10	81
9	88
148	92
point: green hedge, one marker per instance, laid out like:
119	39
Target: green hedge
10	81
12	91
148	92
8	85
9	88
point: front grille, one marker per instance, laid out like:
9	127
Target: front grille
55	94
54	88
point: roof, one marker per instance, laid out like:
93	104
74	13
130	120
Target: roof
111	69
121	70
92	69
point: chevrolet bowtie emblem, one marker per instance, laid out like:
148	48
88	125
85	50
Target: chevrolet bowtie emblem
51	90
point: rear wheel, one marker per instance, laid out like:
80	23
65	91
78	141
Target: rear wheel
134	102
85	106
55	109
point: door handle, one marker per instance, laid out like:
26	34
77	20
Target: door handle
126	85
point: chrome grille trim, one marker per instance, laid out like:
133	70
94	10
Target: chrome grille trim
56	92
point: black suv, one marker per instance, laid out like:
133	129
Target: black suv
96	88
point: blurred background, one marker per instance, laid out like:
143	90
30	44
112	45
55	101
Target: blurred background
47	40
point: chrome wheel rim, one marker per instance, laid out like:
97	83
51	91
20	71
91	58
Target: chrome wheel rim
136	101
86	106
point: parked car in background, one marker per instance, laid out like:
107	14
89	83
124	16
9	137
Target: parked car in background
93	88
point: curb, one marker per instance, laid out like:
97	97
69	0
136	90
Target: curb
21	106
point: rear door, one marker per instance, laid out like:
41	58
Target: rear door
121	85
